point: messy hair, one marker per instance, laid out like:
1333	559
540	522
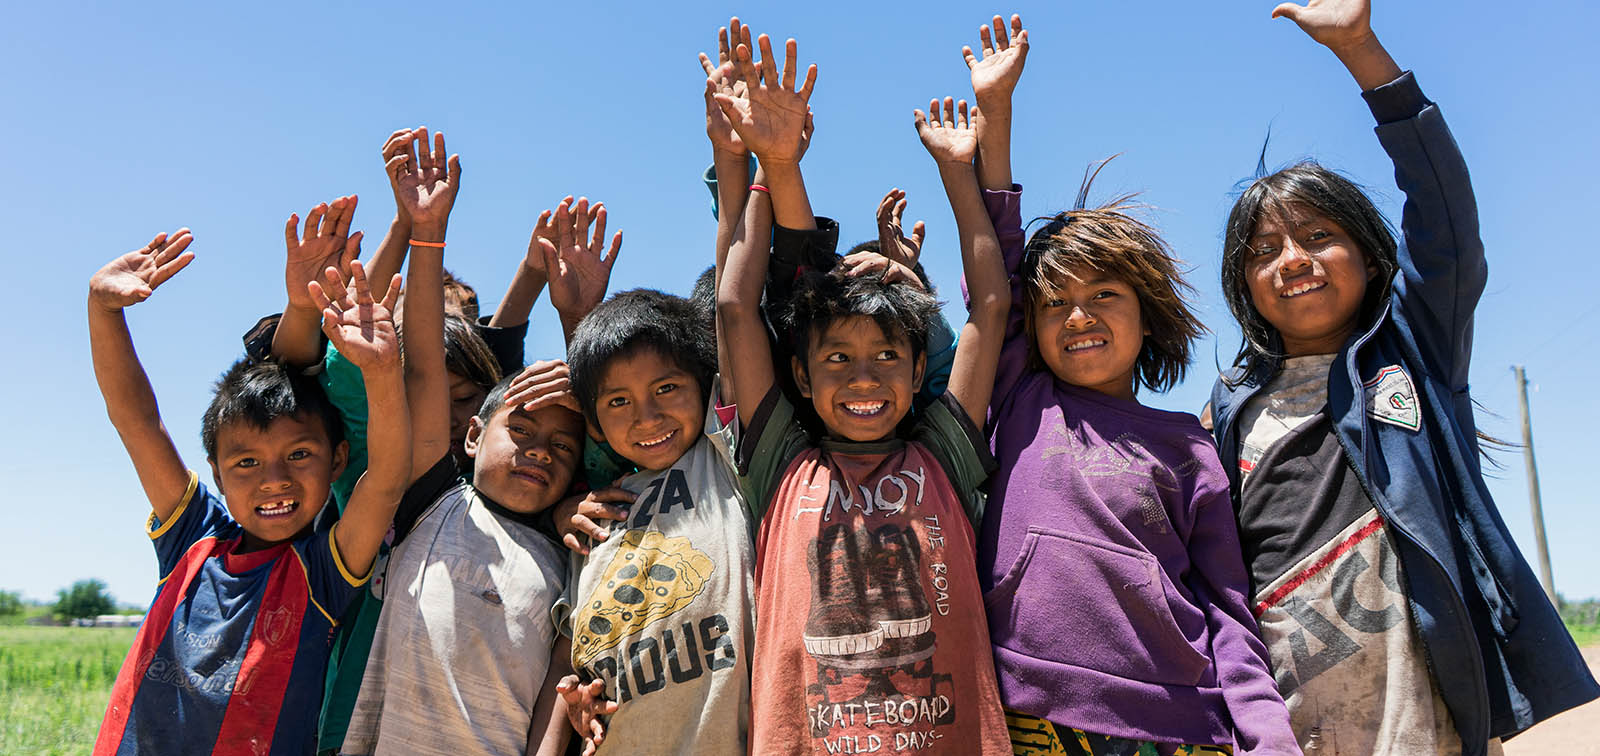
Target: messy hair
636	320
466	353
1111	242
460	295
260	392
1304	186
823	299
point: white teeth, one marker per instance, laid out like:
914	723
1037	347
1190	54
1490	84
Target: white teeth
657	441
282	507
1086	344
864	408
1303	288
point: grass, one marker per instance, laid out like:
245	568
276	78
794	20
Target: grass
1583	620
55	682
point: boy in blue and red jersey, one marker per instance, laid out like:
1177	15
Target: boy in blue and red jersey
232	652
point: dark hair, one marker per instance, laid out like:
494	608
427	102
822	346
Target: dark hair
466	353
261	392
822	299
876	247
704	297
465	296
1112	242
635	320
1309	186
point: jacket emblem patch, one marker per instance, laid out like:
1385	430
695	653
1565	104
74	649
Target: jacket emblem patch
1391	398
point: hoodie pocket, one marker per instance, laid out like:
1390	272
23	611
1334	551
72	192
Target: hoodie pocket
1075	600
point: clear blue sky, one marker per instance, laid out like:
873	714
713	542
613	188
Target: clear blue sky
124	120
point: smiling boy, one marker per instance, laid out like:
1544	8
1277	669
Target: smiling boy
233	648
872	634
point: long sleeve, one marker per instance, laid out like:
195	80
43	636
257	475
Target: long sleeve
1442	265
1005	212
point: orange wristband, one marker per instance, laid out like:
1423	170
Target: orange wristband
416	243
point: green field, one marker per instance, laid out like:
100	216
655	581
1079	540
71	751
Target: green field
55	682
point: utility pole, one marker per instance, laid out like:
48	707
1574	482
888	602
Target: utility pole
1545	576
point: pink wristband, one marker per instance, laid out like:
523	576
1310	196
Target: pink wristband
759	188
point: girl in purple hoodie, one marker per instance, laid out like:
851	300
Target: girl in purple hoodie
1114	584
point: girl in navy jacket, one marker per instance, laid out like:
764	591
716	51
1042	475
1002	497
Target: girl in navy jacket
1398	613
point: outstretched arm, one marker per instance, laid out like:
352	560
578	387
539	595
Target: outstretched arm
994	78
327	242
1345	27
130	401
362	329
730	162
579	265
391	254
953	145
425	184
529	279
739	321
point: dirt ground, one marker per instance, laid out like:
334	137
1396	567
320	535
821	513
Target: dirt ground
1571	733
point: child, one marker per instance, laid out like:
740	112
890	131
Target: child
233	649
1398	612
464	640
1114	587
870	634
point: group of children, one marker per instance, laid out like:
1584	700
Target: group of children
799	513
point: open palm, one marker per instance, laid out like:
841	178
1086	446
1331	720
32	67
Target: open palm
951	140
361	328
578	265
425	180
726	82
995	75
1334	23
771	117
327	242
133	277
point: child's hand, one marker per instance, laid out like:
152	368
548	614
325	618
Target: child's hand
892	240
995	76
546	383
1337	24
327	243
867	263
951	140
722	78
397	144
585	705
425	182
133	277
771	117
544	228
361	328
576	515
578	272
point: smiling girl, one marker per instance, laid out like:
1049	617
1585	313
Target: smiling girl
1399	615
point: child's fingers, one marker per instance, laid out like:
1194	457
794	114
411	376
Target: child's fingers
961	111
597	243
175	244
314	219
919	120
396	165
358	281
453	170
1289	11
1001	41
419	145
342	229
705	63
810	84
291	231
330	220
983	40
392	296
1016	28
570	540
919	231
352	251
333	283
395	142
439	153
170	269
616	247
966	54
318	296
790	52
899	210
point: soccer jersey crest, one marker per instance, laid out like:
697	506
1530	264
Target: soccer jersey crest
1391	398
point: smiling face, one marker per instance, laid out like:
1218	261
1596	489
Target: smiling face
1089	333
1307	278
860	380
276	479
523	460
649	408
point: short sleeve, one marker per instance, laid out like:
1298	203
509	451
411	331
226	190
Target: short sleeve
562	611
200	515
330	581
722	425
947	432
771	440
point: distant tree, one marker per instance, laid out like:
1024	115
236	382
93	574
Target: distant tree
10	603
86	598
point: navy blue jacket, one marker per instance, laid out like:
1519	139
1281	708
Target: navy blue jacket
1498	650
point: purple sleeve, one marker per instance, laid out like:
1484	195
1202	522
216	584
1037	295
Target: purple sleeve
1005	212
1219	581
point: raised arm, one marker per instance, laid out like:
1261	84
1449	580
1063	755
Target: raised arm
740	282
391	254
771	120
994	78
953	145
425	184
528	280
579	265
1345	27
363	331
327	242
130	401
730	162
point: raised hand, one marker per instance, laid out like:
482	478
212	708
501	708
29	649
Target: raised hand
995	75
326	243
585	705
1338	24
868	263
133	277
425	182
399	143
579	266
362	328
580	515
722	78
951	140
546	383
771	118
544	228
892	240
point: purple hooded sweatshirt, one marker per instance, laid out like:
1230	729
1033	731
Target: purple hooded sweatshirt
1114	584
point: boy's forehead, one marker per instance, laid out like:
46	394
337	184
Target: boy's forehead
557	417
643	363
859	329
243	433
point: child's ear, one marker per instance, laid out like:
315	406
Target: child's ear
341	457
916	372
474	436
802	377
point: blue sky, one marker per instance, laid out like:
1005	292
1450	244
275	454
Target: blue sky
126	120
